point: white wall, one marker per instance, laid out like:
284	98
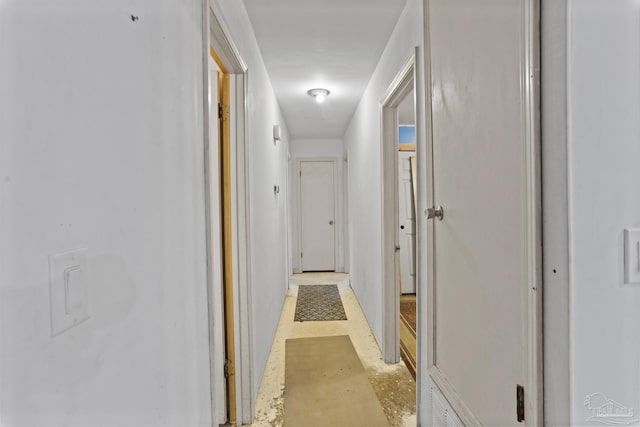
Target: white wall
604	150
101	145
362	142
267	167
310	149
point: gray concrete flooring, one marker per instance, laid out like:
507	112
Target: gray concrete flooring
393	384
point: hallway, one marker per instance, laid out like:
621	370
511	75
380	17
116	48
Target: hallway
393	384
156	158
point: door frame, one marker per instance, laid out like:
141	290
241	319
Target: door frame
218	37
402	84
299	162
345	212
533	201
215	246
290	270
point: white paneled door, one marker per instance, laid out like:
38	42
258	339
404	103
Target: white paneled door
485	283
317	215
407	223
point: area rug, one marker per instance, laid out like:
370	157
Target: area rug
326	385
319	303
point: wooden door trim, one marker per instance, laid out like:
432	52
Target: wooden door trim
532	199
299	162
400	86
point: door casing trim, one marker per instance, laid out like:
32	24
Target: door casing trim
403	83
217	36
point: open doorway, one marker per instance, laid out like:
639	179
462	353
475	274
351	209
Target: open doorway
407	214
228	236
399	201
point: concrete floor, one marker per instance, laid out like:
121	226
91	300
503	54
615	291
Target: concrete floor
393	384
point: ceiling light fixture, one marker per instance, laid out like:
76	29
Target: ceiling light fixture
319	94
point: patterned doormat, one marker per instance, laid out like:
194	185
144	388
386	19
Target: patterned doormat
320	303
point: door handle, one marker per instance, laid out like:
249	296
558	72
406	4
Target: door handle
435	213
331	222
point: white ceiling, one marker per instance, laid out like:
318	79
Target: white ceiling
332	44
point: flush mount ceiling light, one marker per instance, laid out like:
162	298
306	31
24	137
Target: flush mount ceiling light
319	94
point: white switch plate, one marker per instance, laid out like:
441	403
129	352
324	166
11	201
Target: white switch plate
68	290
632	257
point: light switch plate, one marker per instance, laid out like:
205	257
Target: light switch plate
68	290
632	257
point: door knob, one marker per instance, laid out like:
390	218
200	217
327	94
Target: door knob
331	222
435	213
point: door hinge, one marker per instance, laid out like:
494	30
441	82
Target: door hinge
229	369
520	403
220	111
300	254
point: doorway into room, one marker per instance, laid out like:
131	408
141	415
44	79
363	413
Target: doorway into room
227	216
400	201
407	214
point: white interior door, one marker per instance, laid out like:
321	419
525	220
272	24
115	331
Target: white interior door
407	223
485	154
317	215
